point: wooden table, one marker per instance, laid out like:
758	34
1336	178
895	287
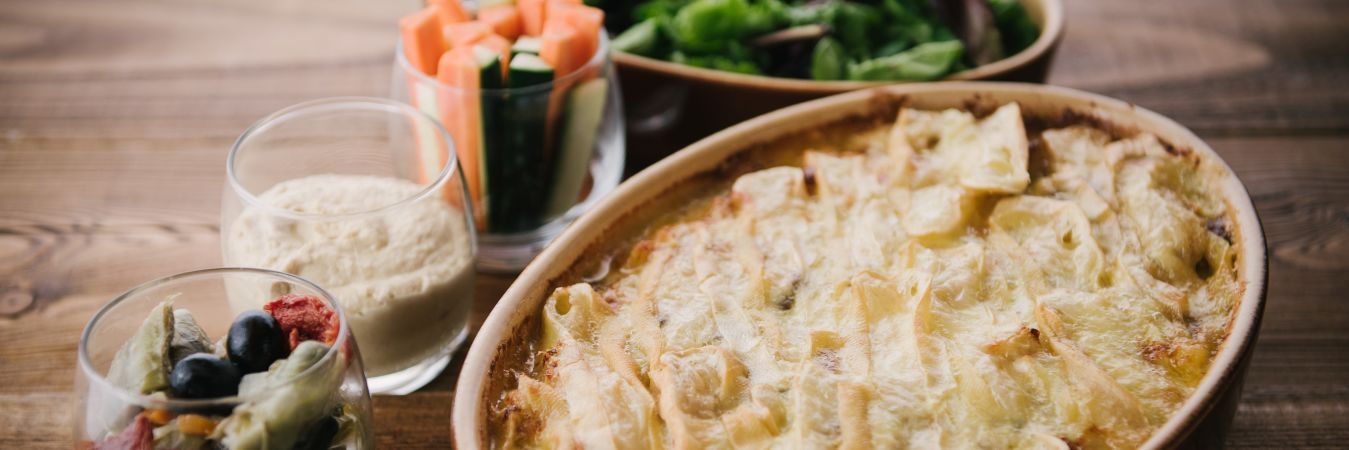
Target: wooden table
115	118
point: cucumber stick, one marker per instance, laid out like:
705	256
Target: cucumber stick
432	156
489	77
516	170
529	70
488	60
584	111
527	44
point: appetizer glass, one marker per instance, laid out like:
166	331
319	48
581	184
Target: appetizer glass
110	414
341	191
535	157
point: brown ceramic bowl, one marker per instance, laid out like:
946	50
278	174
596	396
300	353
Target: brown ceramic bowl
1200	421
670	105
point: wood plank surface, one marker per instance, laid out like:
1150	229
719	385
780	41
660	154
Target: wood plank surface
1220	67
115	118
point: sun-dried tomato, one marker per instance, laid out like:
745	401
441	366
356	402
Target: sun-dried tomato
304	318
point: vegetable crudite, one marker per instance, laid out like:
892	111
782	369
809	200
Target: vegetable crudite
509	82
779	365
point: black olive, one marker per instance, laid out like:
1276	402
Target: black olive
203	375
318	436
255	341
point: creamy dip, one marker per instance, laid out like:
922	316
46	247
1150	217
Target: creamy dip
402	274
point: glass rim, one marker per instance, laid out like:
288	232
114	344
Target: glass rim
136	398
297	110
596	60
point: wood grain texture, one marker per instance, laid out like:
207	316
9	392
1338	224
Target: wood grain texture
115	118
1220	67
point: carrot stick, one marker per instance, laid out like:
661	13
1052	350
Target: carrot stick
561	46
586	20
460	113
451	11
531	15
551	5
422	43
503	19
464	34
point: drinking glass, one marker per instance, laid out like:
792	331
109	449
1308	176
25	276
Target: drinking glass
535	157
326	401
352	194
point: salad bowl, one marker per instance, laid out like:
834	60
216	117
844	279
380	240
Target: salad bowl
670	105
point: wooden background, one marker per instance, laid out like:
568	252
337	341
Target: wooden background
115	118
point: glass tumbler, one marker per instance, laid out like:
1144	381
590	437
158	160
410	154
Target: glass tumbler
316	396
352	194
535	157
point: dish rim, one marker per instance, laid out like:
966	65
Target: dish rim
527	294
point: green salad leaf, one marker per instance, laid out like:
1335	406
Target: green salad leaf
828	62
642	39
925	62
657	8
723	63
711	25
1017	28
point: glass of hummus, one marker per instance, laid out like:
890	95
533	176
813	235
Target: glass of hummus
365	197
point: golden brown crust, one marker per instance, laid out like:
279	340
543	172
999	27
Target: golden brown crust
1121	419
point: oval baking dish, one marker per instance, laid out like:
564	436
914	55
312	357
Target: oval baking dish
503	343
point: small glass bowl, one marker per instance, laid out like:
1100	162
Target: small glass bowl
334	386
363	196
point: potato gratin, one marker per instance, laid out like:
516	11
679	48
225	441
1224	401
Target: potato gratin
948	286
